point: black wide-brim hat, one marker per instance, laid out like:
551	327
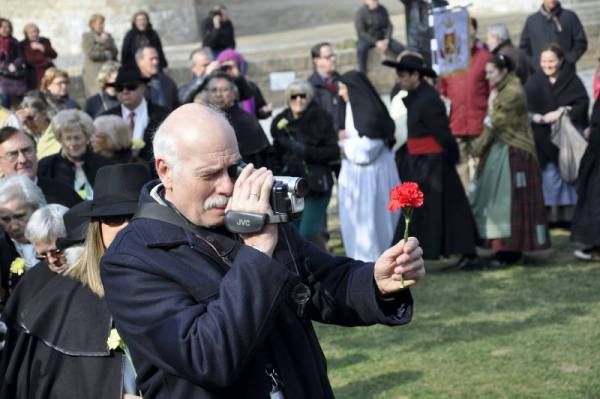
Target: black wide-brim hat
76	225
128	74
117	189
409	62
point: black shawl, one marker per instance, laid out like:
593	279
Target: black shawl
371	117
56	341
543	97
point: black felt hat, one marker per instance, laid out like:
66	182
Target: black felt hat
410	62
76	224
117	189
128	74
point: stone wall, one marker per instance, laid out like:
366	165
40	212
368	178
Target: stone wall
64	21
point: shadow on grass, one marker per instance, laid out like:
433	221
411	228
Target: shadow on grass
347	360
376	385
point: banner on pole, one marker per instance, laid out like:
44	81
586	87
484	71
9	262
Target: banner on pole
450	44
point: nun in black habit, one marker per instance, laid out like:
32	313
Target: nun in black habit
444	224
368	171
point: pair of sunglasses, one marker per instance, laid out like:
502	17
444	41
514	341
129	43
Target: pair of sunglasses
299	95
126	86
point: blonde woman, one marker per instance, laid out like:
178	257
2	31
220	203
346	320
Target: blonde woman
107	97
65	332
55	86
98	47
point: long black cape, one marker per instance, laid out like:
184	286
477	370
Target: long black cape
56	341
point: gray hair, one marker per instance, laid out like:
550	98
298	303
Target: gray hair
139	53
163	143
116	130
70	119
299	87
202	50
21	188
46	224
499	30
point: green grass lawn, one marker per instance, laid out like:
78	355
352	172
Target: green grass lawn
528	331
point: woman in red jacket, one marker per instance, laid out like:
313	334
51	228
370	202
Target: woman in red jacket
38	54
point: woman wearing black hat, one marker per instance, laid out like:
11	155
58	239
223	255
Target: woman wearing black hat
368	171
59	327
444	225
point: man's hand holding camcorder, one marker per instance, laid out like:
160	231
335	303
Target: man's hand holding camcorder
251	193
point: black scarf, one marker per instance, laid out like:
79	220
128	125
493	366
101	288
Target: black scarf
371	117
543	97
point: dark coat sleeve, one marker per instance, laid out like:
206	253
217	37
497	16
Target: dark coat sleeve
344	291
439	126
361	28
327	149
579	40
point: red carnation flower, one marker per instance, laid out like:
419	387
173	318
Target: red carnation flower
405	195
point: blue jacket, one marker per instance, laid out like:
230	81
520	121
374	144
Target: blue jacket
198	327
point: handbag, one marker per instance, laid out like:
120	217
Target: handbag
571	147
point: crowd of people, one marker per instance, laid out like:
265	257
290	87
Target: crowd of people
112	216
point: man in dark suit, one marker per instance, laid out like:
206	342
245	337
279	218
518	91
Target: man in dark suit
161	89
18	155
141	115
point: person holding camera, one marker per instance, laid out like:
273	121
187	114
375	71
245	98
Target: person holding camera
217	30
208	313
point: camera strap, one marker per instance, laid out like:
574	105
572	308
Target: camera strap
226	248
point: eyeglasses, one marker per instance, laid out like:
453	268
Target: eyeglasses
19	217
298	95
126	86
53	252
12	156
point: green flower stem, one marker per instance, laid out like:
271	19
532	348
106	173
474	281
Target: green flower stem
407	217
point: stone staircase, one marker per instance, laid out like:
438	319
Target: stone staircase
290	50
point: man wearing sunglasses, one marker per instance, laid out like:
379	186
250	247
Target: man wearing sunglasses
141	115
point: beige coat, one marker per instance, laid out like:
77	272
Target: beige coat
96	52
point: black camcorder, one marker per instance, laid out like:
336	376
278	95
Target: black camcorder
287	203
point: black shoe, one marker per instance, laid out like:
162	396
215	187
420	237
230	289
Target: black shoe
468	263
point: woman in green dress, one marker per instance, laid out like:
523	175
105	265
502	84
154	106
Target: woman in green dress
506	196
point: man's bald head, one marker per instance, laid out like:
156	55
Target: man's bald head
191	130
193	148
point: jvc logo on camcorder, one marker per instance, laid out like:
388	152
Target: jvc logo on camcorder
243	222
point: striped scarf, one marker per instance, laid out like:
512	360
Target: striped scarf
553	15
